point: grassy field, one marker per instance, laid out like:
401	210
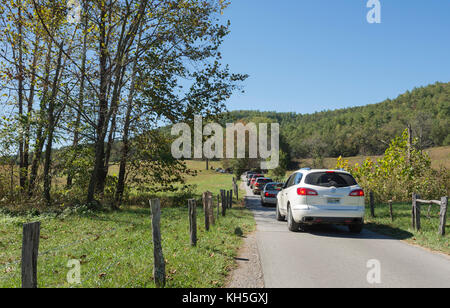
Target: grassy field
400	228
115	248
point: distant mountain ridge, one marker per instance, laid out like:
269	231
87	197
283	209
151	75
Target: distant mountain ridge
362	130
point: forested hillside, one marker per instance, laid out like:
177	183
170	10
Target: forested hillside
363	130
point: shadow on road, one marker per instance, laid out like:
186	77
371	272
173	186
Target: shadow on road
268	215
342	232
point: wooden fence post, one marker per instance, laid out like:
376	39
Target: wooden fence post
413	211
224	202
203	201
391	211
372	204
212	221
443	215
30	252
231	198
218	206
205	210
236	190
159	271
417	214
192	206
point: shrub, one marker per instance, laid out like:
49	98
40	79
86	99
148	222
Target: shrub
396	177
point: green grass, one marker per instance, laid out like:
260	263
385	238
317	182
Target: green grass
401	228
115	248
205	180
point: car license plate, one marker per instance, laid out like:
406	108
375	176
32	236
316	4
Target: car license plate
334	200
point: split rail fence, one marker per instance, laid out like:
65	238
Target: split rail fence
416	211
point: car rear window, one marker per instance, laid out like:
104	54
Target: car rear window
264	180
274	186
330	179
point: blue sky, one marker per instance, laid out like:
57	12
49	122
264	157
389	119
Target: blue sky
311	55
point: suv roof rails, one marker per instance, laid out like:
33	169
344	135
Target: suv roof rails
306	168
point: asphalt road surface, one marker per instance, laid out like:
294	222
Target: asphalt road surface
332	257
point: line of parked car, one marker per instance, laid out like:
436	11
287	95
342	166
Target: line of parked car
263	186
313	196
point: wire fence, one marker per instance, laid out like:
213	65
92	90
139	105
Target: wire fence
11	271
93	271
101	262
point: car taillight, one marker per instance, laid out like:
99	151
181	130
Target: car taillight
357	193
306	192
266	194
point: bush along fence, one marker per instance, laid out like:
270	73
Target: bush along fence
416	211
31	236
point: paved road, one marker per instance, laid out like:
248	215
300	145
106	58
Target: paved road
332	257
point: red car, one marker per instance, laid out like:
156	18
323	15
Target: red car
253	179
250	178
259	185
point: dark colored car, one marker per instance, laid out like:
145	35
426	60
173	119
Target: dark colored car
259	185
253	180
249	174
269	193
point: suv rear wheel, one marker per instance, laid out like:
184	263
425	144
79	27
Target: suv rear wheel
279	216
292	225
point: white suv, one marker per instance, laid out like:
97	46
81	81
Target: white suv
321	197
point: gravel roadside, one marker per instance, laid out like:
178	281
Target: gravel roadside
248	273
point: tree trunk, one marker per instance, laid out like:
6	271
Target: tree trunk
40	136
99	160
22	176
115	105
105	114
76	134
30	107
50	130
126	131
125	140
11	187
